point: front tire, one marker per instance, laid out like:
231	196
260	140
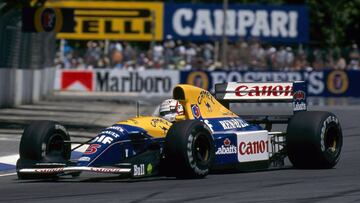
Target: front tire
189	149
314	140
43	142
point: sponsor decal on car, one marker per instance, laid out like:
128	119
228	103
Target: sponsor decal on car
196	111
253	146
92	149
103	139
226	148
49	170
299	106
233	123
299	95
118	128
299	101
149	169
106	170
265	90
84	158
139	169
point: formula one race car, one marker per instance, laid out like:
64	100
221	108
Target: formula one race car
207	137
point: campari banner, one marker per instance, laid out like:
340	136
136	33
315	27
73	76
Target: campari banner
204	22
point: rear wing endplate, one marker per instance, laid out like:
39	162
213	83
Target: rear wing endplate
274	92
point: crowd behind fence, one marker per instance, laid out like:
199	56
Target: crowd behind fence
179	55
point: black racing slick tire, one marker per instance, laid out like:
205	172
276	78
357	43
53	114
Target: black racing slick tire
314	140
189	149
43	142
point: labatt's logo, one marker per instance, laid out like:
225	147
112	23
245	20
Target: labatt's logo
266	90
226	148
299	95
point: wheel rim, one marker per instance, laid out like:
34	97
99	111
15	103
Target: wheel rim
332	139
55	145
201	149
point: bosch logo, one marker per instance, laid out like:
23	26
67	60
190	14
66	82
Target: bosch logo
256	147
277	90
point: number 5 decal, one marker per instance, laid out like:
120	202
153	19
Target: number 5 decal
92	149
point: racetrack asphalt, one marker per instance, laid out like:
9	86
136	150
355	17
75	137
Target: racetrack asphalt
85	118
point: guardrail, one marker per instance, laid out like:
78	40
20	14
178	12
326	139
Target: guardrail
21	86
154	83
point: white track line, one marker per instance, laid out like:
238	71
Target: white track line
7	174
11	159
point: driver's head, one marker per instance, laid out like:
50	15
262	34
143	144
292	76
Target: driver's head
169	109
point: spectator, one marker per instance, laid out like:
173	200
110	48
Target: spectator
354	58
175	55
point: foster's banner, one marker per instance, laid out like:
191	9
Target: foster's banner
204	22
330	83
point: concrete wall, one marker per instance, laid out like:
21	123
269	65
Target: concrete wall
23	86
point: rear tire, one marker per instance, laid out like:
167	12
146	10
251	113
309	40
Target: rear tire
314	140
189	150
43	142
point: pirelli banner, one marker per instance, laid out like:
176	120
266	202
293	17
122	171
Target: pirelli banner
114	20
329	83
146	83
204	22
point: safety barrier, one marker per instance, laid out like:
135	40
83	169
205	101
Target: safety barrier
327	83
21	86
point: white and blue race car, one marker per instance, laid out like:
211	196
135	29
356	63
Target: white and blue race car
207	137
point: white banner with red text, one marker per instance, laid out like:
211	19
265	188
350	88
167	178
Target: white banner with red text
146	83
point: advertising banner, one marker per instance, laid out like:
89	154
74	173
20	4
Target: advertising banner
329	83
99	20
47	20
319	83
146	83
204	22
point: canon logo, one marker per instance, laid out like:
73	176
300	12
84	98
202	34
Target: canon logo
277	90
256	147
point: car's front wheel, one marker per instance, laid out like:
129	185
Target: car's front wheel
189	149
43	142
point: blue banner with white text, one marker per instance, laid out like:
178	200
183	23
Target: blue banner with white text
204	22
328	83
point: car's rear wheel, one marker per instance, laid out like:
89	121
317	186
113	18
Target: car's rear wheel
189	149
43	142
314	140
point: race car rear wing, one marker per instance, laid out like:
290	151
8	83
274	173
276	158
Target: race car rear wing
244	92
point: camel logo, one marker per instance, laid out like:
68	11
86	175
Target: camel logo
77	80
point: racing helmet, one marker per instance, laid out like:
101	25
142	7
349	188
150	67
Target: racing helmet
169	109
